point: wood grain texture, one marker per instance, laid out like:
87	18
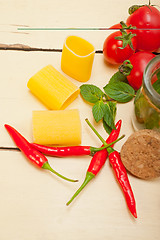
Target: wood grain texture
32	202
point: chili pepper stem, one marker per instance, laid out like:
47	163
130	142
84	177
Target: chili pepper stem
95	131
48	167
110	150
101	138
88	177
98	161
94	149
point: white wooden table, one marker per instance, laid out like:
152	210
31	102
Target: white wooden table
33	201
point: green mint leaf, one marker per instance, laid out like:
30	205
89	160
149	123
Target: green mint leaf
152	121
158	75
109	114
119	91
156	85
106	127
91	93
98	110
113	108
138	93
118	77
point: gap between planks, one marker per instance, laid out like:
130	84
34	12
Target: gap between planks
21	47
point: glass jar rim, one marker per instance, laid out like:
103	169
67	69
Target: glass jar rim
147	86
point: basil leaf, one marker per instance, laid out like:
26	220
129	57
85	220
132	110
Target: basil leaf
118	77
98	110
91	93
109	115
119	91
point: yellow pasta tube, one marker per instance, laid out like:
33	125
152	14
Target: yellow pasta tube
53	89
57	127
77	58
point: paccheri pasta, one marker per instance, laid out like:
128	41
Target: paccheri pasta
56	127
53	89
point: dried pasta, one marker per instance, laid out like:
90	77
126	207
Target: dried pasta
53	89
56	127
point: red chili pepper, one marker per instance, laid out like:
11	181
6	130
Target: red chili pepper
98	161
121	175
63	151
36	157
67	151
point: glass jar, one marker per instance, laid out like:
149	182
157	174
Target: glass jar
147	100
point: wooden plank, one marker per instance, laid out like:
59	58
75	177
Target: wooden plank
59	14
32	203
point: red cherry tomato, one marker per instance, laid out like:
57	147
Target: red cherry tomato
116	26
112	48
139	61
146	17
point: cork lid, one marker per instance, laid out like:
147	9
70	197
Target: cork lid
140	154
